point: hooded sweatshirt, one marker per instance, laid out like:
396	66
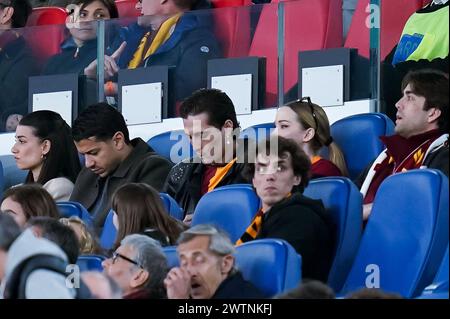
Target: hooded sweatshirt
41	284
305	224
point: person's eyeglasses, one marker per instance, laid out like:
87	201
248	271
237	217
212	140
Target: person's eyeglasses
307	100
116	255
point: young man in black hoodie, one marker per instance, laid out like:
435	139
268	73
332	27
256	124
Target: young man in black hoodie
279	177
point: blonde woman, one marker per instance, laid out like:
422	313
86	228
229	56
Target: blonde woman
307	124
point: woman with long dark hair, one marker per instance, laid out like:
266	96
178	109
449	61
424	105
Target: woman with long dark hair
44	146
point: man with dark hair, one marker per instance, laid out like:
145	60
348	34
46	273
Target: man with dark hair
111	160
60	234
16	63
280	173
9	231
421	139
210	121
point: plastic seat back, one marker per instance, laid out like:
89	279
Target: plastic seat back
406	234
343	202
173	145
358	137
70	208
272	265
90	262
233	216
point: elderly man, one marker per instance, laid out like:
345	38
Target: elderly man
139	267
207	268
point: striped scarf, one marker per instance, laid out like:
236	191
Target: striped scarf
252	231
164	33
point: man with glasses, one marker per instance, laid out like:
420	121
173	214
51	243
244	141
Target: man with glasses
16	63
139	267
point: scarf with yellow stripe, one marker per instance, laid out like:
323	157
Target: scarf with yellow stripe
252	231
164	33
403	154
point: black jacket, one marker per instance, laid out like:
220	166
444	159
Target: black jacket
16	65
236	287
303	223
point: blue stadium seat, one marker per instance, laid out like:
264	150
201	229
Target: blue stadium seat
70	208
164	142
109	232
272	265
172	206
358	138
406	235
440	282
343	201
90	262
171	255
258	132
436	295
229	208
12	175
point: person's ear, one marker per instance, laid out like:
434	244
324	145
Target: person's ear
139	278
46	145
228	124
227	264
6	16
118	140
309	135
433	114
297	180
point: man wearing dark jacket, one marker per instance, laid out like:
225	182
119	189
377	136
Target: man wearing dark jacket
16	63
210	121
279	179
207	268
112	160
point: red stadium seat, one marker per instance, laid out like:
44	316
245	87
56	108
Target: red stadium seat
232	29
127	8
46	16
45	31
309	25
394	14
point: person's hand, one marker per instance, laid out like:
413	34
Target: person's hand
110	65
178	284
188	219
367	209
12	121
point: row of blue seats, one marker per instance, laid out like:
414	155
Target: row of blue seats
404	240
